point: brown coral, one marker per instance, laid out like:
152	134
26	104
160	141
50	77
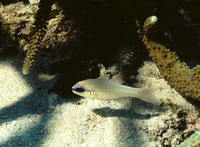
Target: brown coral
23	31
41	17
17	20
50	39
178	74
31	52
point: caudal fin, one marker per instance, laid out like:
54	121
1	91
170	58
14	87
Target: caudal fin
148	95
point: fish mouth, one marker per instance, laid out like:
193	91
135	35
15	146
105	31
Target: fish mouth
73	89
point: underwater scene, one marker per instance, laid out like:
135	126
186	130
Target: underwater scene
93	73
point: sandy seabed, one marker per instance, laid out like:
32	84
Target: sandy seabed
30	116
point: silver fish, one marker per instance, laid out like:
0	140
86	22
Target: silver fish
103	89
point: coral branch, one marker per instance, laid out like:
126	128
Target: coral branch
40	28
185	80
31	52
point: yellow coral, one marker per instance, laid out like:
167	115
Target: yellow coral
185	80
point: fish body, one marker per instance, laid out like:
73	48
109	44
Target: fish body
103	89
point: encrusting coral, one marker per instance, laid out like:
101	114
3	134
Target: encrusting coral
185	80
174	126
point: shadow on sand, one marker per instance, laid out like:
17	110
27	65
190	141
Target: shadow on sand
35	103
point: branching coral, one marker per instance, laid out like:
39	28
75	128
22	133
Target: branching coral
32	50
16	20
24	31
178	74
57	39
40	26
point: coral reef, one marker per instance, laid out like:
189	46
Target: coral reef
174	126
178	118
87	33
178	74
16	21
94	18
20	31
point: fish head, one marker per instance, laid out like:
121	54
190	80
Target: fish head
83	89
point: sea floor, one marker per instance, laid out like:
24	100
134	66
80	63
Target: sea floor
30	116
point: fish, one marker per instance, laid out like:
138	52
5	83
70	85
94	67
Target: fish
103	89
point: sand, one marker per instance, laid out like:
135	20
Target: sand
30	116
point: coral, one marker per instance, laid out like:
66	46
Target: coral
193	140
40	29
173	126
178	74
31	51
22	30
61	36
93	17
149	23
16	20
105	32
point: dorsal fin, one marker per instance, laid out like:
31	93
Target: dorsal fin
105	77
118	78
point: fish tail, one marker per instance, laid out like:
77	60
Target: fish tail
148	95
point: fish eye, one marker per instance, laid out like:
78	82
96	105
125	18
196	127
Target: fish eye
79	89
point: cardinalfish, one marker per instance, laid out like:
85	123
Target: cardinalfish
103	89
